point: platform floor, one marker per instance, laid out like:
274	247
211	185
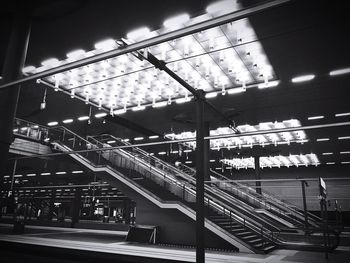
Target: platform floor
112	243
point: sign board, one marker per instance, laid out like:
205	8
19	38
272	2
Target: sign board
323	188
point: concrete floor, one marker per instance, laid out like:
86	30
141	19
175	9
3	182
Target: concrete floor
112	243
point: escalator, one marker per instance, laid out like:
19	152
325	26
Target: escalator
233	219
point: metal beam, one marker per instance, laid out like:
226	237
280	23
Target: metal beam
311	127
217	21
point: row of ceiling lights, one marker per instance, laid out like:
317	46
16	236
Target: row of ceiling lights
45	173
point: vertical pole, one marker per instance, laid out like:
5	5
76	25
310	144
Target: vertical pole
303	183
200	145
257	174
76	206
12	69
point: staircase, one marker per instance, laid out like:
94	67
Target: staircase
231	217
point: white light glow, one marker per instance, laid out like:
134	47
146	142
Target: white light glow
75	54
111	141
269	84
153	137
118	112
273	161
344	138
138	108
330	163
61	173
322	139
52	123
222	7
31	175
346	152
77	172
346	162
138	138
188	162
328	153
106	44
67	121
303	78
50	62
315	118
236	90
160	104
342	114
338	72
140	33
101	115
162	153
211	95
176	21
45	173
83	118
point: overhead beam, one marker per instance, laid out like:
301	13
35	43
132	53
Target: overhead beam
217	21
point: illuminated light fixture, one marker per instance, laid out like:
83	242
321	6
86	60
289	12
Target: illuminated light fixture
35	127
111	141
342	114
188	161
138	108
83	118
18	175
160	104
211	95
274	161
24	128
138	33
187	151
61	173
106	44
138	138
329	153
315	118
162	153
77	172
228	168
346	162
236	90
338	72
120	111
52	123
50	62
101	115
45	173
344	138
212	161
330	163
174	152
67	121
268	84
218	168
75	53
322	139
221	7
72	93
15	130
28	69
153	137
30	175
182	100
46	139
346	152
6	176
125	140
303	78
176	21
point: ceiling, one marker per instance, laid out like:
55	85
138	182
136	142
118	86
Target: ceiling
302	37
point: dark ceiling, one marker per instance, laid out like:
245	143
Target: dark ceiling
299	38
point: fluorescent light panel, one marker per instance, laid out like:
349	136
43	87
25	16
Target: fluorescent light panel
322	139
52	123
67	121
338	72
342	114
303	78
315	117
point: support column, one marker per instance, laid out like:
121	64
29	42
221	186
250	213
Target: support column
200	175
206	153
257	174
12	70
76	206
52	204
